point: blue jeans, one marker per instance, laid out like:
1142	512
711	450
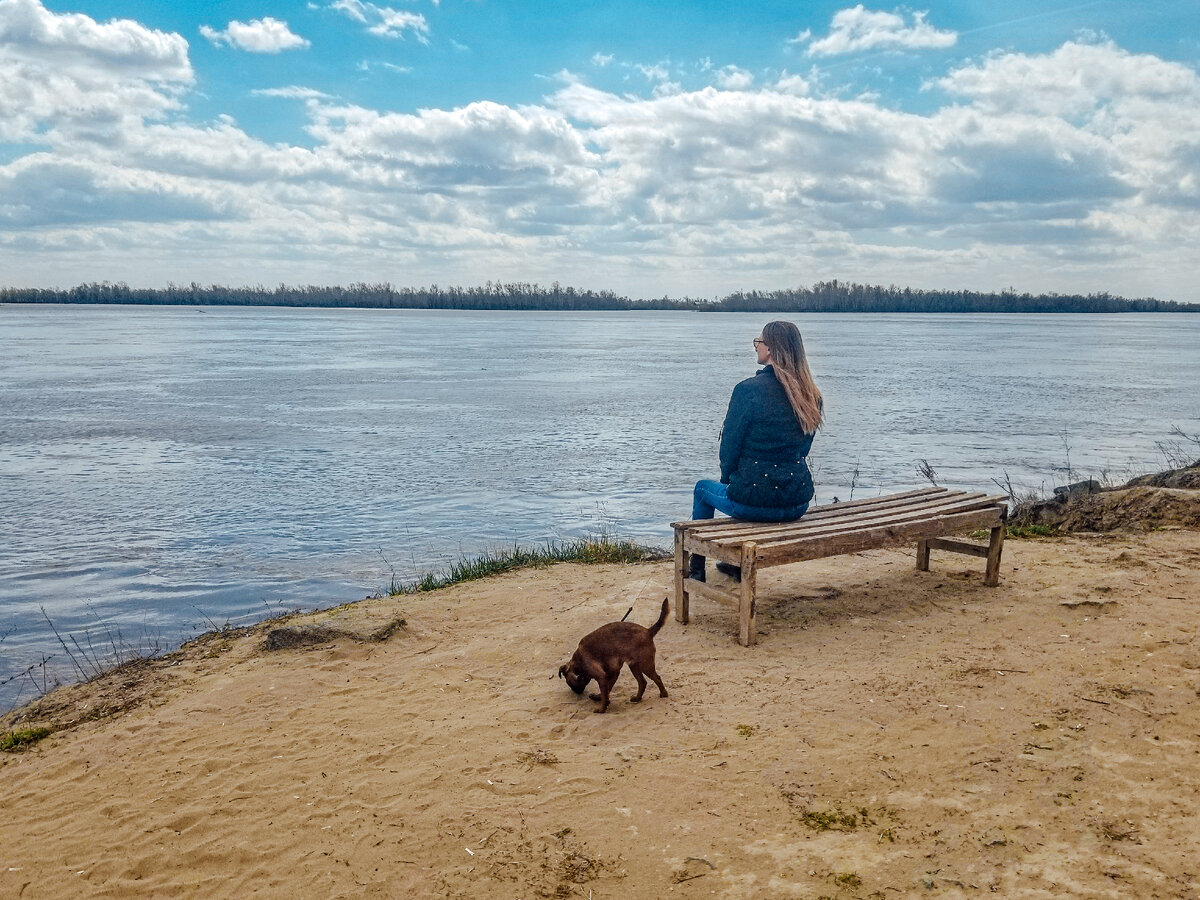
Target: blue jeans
710	496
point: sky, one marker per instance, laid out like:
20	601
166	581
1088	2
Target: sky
649	148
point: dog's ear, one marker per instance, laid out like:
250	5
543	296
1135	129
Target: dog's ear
562	672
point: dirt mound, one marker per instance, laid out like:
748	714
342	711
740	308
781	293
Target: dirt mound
1133	508
1128	509
1186	479
1149	501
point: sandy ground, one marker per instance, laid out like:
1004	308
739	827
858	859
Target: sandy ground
893	734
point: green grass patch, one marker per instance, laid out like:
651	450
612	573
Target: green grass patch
1021	532
19	740
1032	531
602	549
835	820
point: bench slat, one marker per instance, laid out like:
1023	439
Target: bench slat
710	591
885	500
806	530
916	529
957	546
766	530
986	512
872	538
817	529
833	511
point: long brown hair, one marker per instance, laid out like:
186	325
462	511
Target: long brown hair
791	368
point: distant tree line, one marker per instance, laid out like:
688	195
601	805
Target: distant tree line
493	295
842	296
825	296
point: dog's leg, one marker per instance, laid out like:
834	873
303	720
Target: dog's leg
641	680
606	683
653	673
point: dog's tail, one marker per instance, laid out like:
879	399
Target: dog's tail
661	619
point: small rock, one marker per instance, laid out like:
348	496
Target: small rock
1078	489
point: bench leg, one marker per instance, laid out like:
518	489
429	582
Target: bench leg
991	577
747	634
682	561
922	556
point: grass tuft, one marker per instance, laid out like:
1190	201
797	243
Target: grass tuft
1021	532
536	757
835	820
603	548
15	741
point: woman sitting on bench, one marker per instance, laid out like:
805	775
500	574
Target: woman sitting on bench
768	431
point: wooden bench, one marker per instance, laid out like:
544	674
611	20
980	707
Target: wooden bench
925	516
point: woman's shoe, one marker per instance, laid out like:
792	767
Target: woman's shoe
731	570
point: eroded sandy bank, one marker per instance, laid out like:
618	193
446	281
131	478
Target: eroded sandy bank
893	733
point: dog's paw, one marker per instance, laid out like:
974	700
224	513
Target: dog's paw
594	696
635	699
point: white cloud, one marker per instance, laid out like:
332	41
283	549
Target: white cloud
793	84
657	72
1076	79
1142	112
733	78
857	28
384	21
393	23
293	92
355	9
367	65
120	47
602	59
483	143
265	35
68	74
41	189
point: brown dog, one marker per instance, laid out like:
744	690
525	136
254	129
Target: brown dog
601	654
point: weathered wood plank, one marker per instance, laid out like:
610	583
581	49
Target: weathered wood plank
991	577
922	556
802	530
730	553
681	574
834	507
763	530
892	535
747	632
710	592
728	550
957	546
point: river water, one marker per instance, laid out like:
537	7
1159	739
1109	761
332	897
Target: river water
165	469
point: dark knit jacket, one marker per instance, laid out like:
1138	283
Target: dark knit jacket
763	448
